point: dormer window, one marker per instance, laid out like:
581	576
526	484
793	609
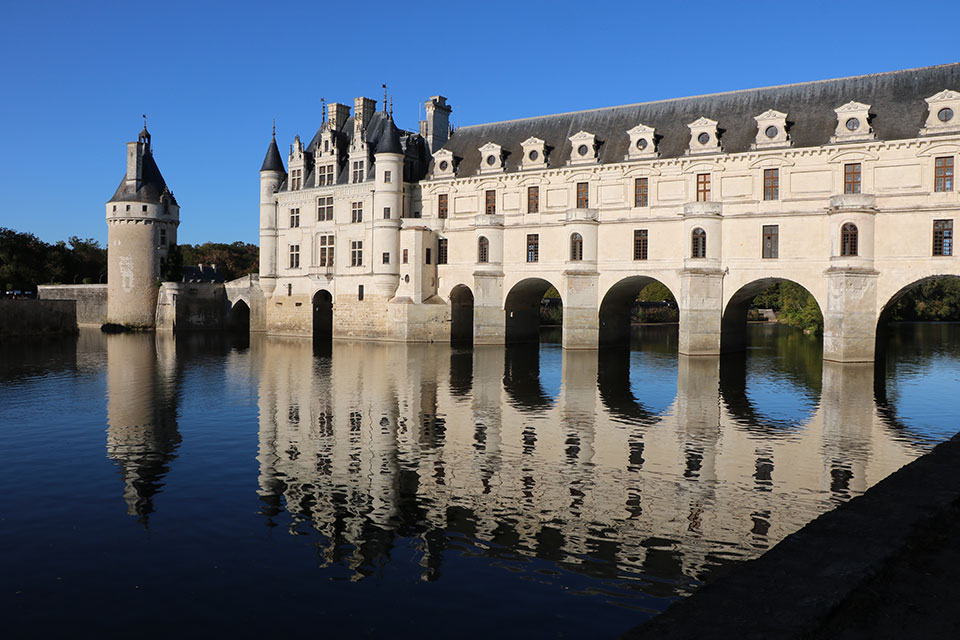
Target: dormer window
358	171
942	110
325	175
853	123
534	154
584	148
642	142
771	130
443	166
296	179
491	158
704	136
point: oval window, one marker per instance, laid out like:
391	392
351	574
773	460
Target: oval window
642	144
945	114
534	155
491	160
443	165
582	149
703	138
772	131
853	124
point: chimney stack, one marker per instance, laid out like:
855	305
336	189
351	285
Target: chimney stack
437	124
337	114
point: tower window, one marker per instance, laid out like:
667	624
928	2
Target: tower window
406	256
442	251
851	178
386	257
356	212
640	244
533	247
583	195
848	239
483	250
771	184
576	247
771	241
491	207
294	256
698	248
427	253
386	213
943	174
163	237
442	205
703	187
943	237
387	176
360	292
144	209
533	199
641	197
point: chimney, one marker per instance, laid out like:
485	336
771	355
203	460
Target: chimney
134	177
437	122
363	109
337	114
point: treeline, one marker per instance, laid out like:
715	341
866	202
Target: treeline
936	299
794	305
26	261
232	260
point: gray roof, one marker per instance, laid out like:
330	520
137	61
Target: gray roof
388	140
153	189
897	107
272	161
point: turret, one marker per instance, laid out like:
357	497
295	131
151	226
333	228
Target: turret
387	206
272	175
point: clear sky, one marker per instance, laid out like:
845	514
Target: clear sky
211	76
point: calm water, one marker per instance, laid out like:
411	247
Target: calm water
205	486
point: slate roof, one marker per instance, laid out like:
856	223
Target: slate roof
272	161
152	189
896	102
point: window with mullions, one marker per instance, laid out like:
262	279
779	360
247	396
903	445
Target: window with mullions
848	239
851	178
771	241
324	208
296	179
698	243
703	187
533	247
356	212
771	184
483	250
358	171
943	174
943	237
294	256
356	253
491	202
442	251
533	199
576	247
641	193
294	218
583	195
442	205
325	175
325	251
640	244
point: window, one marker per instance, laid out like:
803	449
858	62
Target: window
163	237
640	244
483	250
144	208
943	237
848	239
576	247
360	292
356	212
358	172
533	247
294	218
703	187
491	202
294	256
387	176
442	251
583	195
640	193
325	208
533	199
427	255
771	184
386	257
851	179
771	241
326	251
356	253
128	207
296	179
386	213
698	248
406	256
943	174
325	175
442	205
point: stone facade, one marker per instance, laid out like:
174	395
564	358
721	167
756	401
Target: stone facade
844	187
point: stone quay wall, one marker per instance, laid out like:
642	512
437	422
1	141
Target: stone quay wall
37	317
91	300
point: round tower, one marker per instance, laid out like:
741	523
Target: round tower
387	209
272	175
142	221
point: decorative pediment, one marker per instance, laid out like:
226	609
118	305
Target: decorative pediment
583	148
771	130
443	164
296	151
853	123
643	143
943	113
704	137
534	154
491	158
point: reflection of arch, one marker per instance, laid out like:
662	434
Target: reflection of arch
733	325
322	315
616	307
521	378
239	319
461	315
613	383
522	310
698	243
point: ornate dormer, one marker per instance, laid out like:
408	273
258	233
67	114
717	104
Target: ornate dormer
584	148
491	158
853	123
943	113
643	143
704	136
296	162
443	164
771	130
534	154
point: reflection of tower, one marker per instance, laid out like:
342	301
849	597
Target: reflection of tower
142	434
142	220
848	420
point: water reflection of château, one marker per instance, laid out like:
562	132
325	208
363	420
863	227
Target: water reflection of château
381	442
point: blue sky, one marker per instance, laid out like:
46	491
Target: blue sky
211	77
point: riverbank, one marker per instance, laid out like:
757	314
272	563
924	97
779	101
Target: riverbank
882	565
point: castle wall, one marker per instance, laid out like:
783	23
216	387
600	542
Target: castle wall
91	300
37	317
191	305
133	271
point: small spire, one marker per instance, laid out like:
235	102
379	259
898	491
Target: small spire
384	97
391	106
274	134
323	108
144	121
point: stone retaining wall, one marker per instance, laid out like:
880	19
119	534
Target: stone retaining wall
37	317
91	300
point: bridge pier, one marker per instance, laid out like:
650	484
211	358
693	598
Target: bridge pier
850	319
489	321
701	305
581	320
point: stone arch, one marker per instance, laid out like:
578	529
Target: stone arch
885	312
239	318
461	315
322	316
522	309
616	306
733	323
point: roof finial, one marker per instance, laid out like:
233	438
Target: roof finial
323	107
144	121
384	85
391	106
274	129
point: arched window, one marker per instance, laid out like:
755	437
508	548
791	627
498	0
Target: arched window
848	240
576	247
698	245
483	250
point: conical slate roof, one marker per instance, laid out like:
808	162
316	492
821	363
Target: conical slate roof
272	161
390	139
153	189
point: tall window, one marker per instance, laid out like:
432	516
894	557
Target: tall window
163	237
533	199
386	257
583	195
296	179
533	247
406	256
294	256
442	205
698	245
771	184
386	213
325	247
325	208
356	253
641	197
483	250
387	176
640	244
943	237
356	212
491	207
771	241
358	172
703	187
943	174
427	255
294	218
325	175
851	178
576	247
442	251
848	240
